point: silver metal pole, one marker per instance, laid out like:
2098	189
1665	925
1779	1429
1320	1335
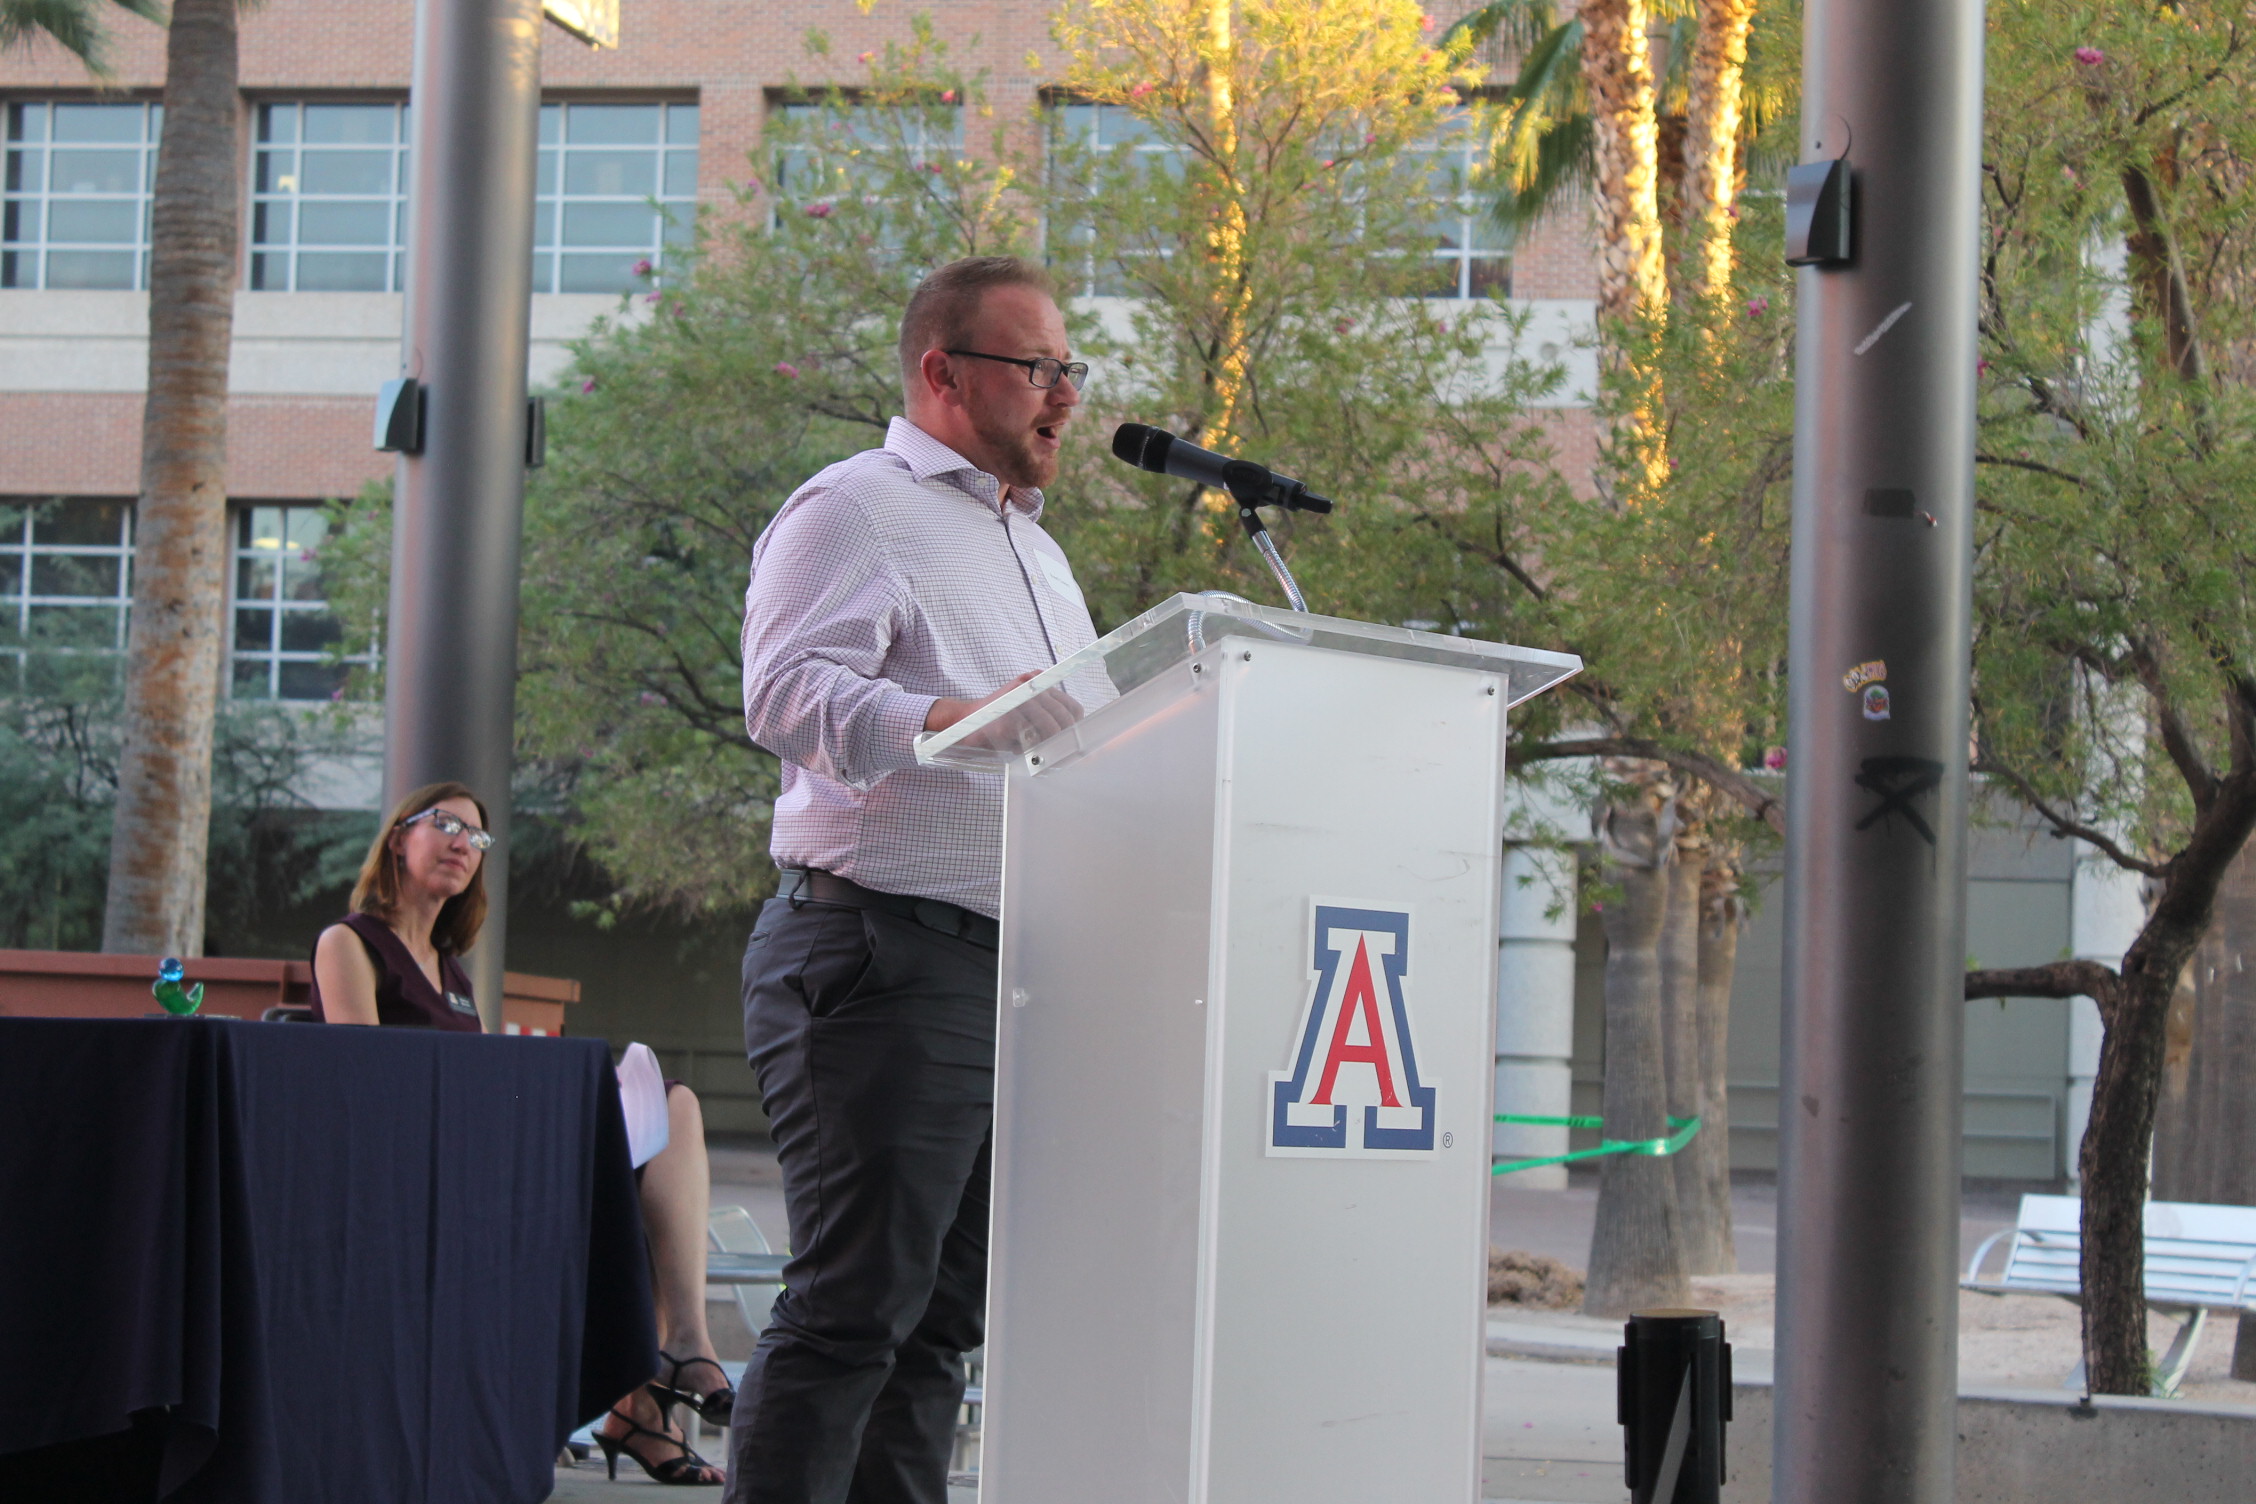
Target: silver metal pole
1876	855
451	650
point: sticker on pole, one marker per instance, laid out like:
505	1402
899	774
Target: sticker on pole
1352	1089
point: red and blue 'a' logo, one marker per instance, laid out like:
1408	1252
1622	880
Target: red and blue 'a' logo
1353	1087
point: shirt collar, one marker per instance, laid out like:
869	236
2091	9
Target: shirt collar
928	459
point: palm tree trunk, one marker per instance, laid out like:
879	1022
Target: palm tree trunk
1711	141
1710	1149
1632	278
1618	74
173	656
1636	1254
1226	238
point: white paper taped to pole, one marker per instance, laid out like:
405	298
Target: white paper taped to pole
642	1096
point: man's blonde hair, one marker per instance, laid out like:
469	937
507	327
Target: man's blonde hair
944	304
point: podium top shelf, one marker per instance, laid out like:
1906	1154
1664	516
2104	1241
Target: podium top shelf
1177	630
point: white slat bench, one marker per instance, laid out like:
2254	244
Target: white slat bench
2198	1259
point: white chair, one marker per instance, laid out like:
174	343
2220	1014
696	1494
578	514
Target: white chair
742	1261
963	1460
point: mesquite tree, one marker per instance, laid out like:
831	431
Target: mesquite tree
2115	650
2205	1127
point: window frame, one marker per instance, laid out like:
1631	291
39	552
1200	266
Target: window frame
276	604
847	102
672	224
1473	219
42	247
262	197
1474	224
670	213
20	545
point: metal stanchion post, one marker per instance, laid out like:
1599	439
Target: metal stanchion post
1673	1373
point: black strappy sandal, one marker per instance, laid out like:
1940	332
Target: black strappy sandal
684	1471
713	1406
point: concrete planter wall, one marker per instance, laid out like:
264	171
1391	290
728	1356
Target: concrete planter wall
2016	1447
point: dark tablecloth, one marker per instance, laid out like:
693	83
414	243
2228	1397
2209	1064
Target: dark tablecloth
295	1264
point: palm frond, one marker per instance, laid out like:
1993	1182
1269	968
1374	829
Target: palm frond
1515	25
1536	147
74	25
1672	88
1557	171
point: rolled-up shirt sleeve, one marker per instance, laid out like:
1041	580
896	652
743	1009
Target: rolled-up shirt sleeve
820	615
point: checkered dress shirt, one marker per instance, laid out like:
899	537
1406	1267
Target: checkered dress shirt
897	577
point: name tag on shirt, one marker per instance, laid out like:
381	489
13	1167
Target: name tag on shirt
460	1004
1060	576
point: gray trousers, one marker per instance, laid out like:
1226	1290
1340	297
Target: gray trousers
873	1042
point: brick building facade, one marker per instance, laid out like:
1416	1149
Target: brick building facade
307	362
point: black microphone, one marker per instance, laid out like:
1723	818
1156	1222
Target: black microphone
1157	450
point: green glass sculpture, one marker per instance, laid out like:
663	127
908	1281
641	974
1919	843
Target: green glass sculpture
175	999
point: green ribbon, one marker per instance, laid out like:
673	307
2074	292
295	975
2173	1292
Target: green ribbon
1685	1129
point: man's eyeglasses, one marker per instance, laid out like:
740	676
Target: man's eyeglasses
1043	371
450	827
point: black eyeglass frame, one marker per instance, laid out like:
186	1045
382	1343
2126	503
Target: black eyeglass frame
480	840
1075	371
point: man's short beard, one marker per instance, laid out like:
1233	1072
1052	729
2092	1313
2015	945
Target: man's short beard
1016	462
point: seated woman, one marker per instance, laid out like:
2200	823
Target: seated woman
394	960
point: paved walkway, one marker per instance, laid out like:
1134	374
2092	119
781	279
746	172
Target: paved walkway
1549	1435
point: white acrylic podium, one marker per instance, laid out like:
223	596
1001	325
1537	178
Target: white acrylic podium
1243	1073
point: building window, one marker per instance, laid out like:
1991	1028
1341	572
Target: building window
839	149
65	586
74	212
1082	134
285	635
66	590
1475	251
618	187
828	141
328	198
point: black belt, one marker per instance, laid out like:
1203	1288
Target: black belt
804	884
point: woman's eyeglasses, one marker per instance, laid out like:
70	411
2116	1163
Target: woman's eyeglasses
450	827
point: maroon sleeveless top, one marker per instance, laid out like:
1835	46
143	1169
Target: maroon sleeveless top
404	995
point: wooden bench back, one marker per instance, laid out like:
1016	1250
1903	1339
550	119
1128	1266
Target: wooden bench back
2196	1255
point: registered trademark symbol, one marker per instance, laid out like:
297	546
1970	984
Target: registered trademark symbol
1447	1139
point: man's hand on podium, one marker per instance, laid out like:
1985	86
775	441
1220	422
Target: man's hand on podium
1041	717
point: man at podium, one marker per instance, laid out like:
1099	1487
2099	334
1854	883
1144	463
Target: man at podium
894	593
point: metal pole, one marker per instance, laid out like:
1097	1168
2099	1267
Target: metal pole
451	654
1876	850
